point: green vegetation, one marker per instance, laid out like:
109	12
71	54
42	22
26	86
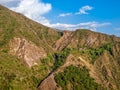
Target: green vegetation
94	53
60	58
78	77
48	61
15	76
7	31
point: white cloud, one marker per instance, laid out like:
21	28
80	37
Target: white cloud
84	9
34	9
65	14
87	25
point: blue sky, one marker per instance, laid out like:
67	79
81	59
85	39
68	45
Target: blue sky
97	15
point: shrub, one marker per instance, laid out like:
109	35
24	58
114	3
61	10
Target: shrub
60	58
79	78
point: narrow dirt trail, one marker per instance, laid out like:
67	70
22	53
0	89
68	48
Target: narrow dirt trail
91	68
87	64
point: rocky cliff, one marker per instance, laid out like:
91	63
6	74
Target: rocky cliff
27	51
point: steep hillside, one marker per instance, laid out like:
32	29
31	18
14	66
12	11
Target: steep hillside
16	29
25	51
16	25
33	56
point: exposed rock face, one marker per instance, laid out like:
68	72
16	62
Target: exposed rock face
91	39
48	84
27	51
81	38
63	41
104	67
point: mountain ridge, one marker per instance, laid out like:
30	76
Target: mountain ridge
31	54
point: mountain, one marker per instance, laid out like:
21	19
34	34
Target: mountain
33	56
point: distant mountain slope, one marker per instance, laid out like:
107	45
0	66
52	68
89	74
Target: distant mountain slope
33	56
84	38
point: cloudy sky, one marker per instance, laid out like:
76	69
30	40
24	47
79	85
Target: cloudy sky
97	15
